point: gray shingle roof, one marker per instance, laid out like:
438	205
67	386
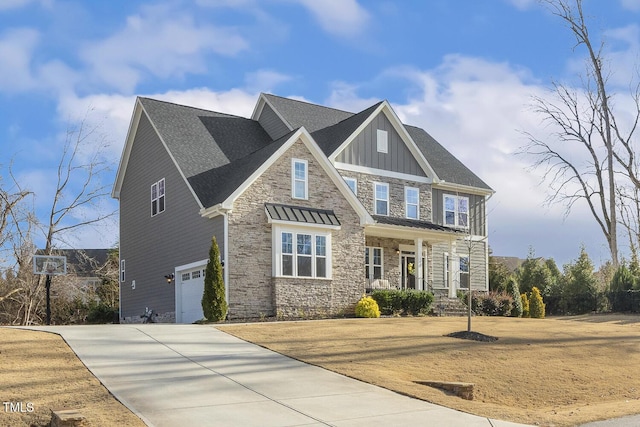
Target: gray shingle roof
217	152
444	164
299	113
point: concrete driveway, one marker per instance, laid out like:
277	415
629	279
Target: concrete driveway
196	375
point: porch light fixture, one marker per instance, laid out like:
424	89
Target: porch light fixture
397	251
169	277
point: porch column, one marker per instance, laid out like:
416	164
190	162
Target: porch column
419	268
452	268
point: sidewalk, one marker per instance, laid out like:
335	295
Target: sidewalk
196	375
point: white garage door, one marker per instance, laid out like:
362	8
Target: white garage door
191	289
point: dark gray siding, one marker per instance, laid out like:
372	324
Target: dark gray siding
476	206
270	121
363	150
153	246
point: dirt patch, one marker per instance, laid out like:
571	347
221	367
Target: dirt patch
39	372
555	371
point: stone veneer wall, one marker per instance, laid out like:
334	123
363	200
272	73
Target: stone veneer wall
253	292
168	317
396	193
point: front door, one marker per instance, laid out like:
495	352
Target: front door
408	271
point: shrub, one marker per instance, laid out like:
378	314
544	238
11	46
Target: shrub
403	302
536	305
367	307
101	313
514	291
214	303
525	305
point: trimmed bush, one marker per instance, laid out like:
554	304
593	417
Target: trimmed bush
514	291
525	305
395	302
489	303
214	303
536	305
367	307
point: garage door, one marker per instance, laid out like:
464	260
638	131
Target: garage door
191	289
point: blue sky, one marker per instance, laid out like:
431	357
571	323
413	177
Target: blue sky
464	70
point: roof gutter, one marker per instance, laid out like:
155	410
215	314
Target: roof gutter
216	210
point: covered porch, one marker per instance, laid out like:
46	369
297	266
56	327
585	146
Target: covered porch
408	254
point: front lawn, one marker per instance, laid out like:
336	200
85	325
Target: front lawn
555	371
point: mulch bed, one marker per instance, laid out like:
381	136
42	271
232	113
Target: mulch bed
475	336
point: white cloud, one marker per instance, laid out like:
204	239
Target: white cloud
633	5
344	18
16	52
161	41
265	80
16	4
522	4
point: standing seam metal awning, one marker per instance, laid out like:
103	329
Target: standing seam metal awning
301	214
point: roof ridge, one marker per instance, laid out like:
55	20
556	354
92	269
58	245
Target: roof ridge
190	107
308	103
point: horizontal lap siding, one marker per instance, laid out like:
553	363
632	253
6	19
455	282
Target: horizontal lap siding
153	246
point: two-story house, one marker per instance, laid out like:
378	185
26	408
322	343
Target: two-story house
310	206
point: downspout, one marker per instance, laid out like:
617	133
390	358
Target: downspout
225	217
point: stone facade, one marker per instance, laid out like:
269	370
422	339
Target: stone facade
365	189
253	289
168	317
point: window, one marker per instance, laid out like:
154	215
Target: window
383	141
381	198
464	272
304	254
353	184
122	276
157	197
456	211
299	179
373	262
412	202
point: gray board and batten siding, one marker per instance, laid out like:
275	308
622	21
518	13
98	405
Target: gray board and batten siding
477	219
362	151
153	247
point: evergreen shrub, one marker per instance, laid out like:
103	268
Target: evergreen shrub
536	305
367	307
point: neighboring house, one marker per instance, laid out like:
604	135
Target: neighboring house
311	206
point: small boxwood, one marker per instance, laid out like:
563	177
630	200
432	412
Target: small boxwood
400	302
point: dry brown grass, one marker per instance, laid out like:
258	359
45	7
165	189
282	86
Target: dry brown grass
40	368
557	371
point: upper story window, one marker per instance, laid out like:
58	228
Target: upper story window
412	202
299	179
353	184
381	198
382	141
157	197
122	275
456	211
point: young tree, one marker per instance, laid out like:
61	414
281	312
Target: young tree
536	305
514	291
581	290
214	303
533	272
499	275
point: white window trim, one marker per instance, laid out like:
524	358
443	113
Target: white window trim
313	231
159	196
370	263
375	198
456	211
355	184
293	179
122	271
382	141
406	202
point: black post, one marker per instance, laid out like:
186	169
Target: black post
48	286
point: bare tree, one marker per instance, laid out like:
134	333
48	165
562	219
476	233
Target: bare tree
583	122
75	203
